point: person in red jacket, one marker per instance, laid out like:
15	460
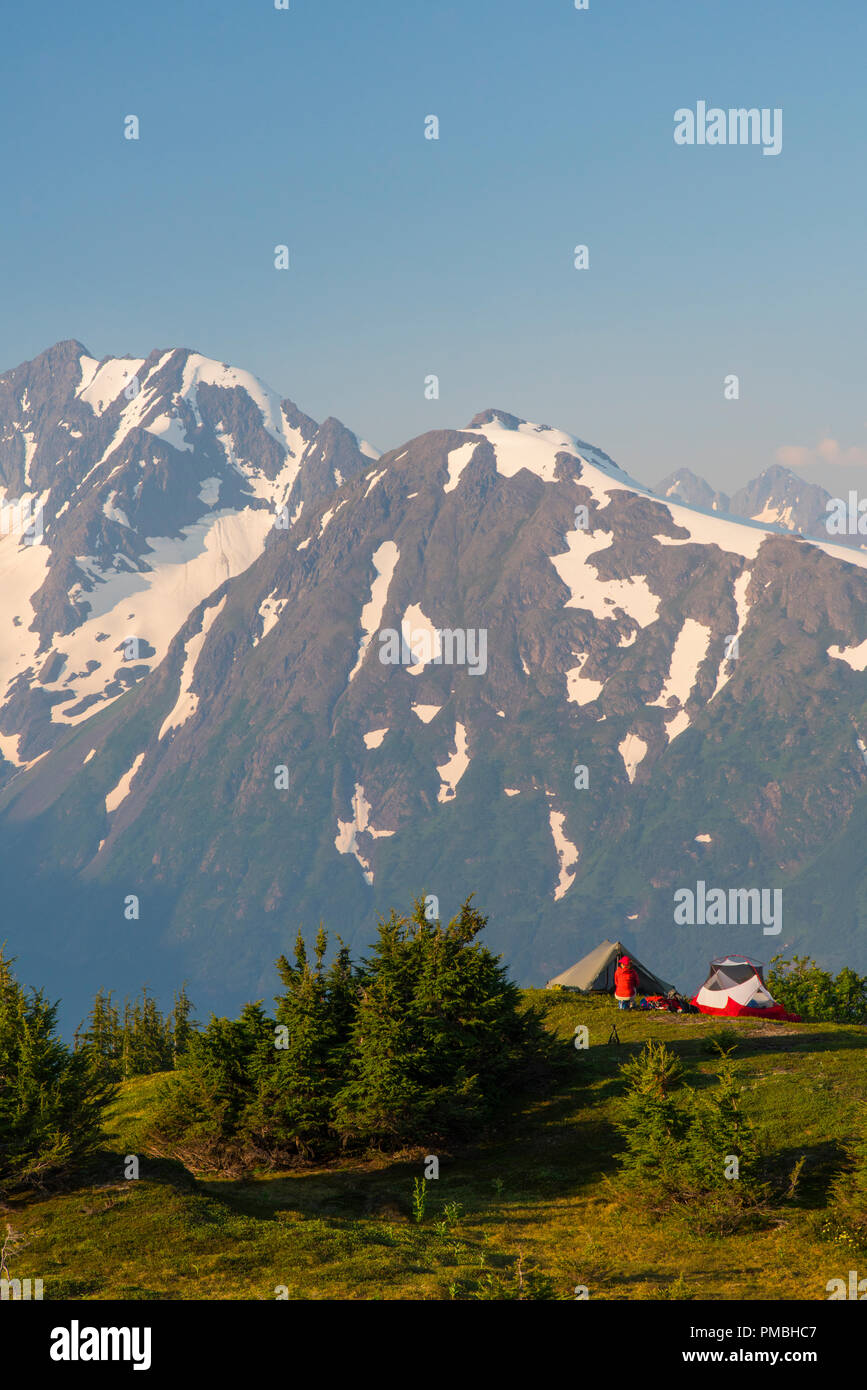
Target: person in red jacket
625	982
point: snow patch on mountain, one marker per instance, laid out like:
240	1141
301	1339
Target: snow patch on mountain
567	854
384	561
113	512
426	712
689	651
737	537
188	701
147	603
739	589
457	460
23	569
170	429
374	480
327	516
846	554
348	831
9	746
454	767
269	611
209	492
120	793
602	597
778	515
420	638
856	657
373	739
581	690
202	371
632	750
101	384
676	726
534	447
366	448
30	446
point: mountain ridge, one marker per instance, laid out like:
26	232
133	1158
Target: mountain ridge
271	765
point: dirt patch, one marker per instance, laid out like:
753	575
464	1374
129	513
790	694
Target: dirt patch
769	1030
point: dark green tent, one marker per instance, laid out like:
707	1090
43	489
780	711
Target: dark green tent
594	973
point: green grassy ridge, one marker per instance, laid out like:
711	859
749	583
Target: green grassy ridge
546	1190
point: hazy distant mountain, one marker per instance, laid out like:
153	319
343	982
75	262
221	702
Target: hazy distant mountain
781	498
777	497
688	487
393	689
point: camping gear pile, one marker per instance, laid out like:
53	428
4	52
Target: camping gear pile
672	1003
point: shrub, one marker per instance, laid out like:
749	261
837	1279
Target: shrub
803	988
203	1113
519	1283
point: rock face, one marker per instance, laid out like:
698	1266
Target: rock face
487	662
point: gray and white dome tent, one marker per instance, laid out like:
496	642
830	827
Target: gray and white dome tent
736	988
594	973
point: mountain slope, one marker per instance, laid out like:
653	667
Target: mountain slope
488	662
155	480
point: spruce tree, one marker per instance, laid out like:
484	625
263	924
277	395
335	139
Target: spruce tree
651	1121
182	1024
384	1100
102	1037
51	1099
718	1132
441	1041
313	1030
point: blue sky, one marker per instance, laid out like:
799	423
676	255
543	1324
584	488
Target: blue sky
454	257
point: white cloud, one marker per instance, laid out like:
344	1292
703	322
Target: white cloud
800	457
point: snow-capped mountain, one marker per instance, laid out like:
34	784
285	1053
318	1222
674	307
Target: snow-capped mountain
488	661
777	498
154	480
